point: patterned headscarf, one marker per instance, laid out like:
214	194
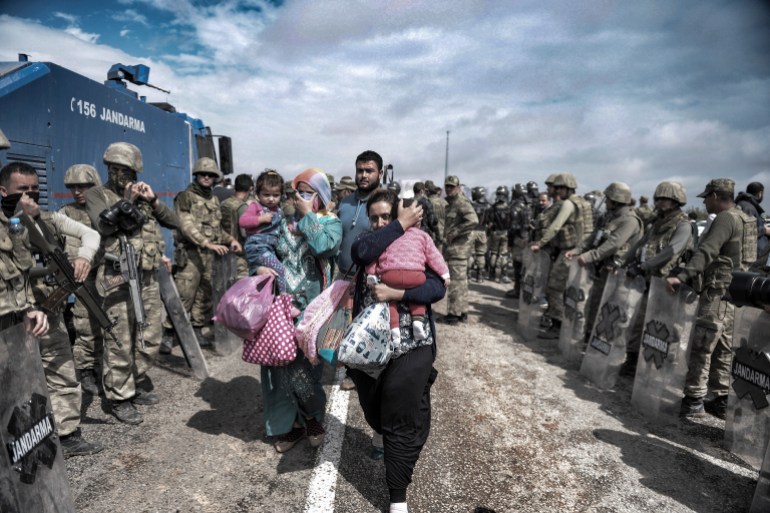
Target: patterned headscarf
316	179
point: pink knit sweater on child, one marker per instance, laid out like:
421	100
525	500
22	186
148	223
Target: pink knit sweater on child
410	252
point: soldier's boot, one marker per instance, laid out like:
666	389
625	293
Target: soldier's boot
88	381
203	341
74	445
167	343
717	406
692	407
126	412
629	366
552	333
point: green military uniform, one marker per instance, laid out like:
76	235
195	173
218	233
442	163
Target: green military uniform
519	233
88	334
200	223
499	223
232	210
478	238
571	226
439	211
460	221
729	245
125	368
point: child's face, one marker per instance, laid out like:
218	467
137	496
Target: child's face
269	196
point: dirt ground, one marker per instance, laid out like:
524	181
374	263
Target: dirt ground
515	428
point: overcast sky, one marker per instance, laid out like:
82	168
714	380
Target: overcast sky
608	90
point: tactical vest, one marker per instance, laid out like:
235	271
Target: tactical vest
735	254
42	287
147	241
15	261
578	227
231	213
206	214
748	238
501	216
481	208
661	233
612	225
77	213
546	217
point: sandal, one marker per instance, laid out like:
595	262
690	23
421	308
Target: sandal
315	432
289	440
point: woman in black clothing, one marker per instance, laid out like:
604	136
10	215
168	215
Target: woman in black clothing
397	404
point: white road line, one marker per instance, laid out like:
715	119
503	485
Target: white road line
323	482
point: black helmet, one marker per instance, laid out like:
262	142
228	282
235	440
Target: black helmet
590	197
394	187
532	189
478	193
502	192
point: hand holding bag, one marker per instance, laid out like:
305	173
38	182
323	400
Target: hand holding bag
366	343
244	307
275	345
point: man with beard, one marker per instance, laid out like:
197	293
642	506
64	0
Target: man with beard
19	187
662	248
127	207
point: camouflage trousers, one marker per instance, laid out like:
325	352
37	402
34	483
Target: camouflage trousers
241	266
195	288
457	295
125	368
498	251
557	284
88	335
59	368
478	243
711	346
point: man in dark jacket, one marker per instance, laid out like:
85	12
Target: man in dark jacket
749	202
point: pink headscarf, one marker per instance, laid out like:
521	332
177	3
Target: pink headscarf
315	178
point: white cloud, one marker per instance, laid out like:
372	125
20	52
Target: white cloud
74	29
131	15
124	32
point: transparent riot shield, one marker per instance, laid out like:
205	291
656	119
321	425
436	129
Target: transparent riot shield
664	352
572	334
224	274
747	424
533	285
606	348
761	501
32	474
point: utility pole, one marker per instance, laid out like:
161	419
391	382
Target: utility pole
446	158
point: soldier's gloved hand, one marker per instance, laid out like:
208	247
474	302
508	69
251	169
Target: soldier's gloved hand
81	267
633	270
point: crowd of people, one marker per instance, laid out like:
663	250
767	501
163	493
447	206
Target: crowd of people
308	231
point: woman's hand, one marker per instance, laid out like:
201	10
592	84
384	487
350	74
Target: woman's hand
383	293
409	216
302	206
265	270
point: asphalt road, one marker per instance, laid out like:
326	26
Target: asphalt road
515	428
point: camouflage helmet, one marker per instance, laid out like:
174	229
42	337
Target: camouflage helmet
671	190
618	192
207	165
550	179
478	193
80	174
4	142
502	191
565	180
124	154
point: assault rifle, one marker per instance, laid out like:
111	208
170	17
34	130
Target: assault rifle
130	274
59	267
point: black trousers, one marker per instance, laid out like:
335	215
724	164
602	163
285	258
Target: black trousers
397	405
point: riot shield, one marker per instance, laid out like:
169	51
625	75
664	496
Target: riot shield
747	423
606	348
664	351
184	330
224	274
32	474
533	285
761	501
572	334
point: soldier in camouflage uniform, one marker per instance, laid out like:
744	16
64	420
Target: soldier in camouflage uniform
478	260
232	210
644	211
621	230
666	242
439	205
499	223
729	245
199	236
88	335
19	186
571	226
124	369
521	218
460	221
